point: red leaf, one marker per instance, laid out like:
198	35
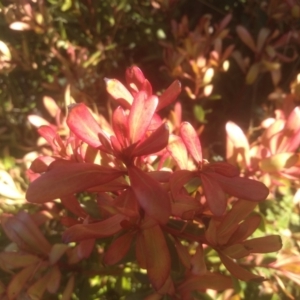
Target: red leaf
214	195
100	229
245	229
120	127
191	141
41	164
239	211
71	203
140	115
237	271
240	187
169	95
179	179
66	177
134	78
85	248
157	255
223	168
83	125
150	195
156	142
264	244
118	249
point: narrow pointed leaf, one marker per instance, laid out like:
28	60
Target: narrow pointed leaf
120	126
191	141
96	230
66	177
169	95
156	142
82	123
245	36
140	115
151	196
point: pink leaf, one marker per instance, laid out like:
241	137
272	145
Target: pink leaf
150	195
169	95
119	123
66	177
140	115
96	230
191	141
156	142
83	125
